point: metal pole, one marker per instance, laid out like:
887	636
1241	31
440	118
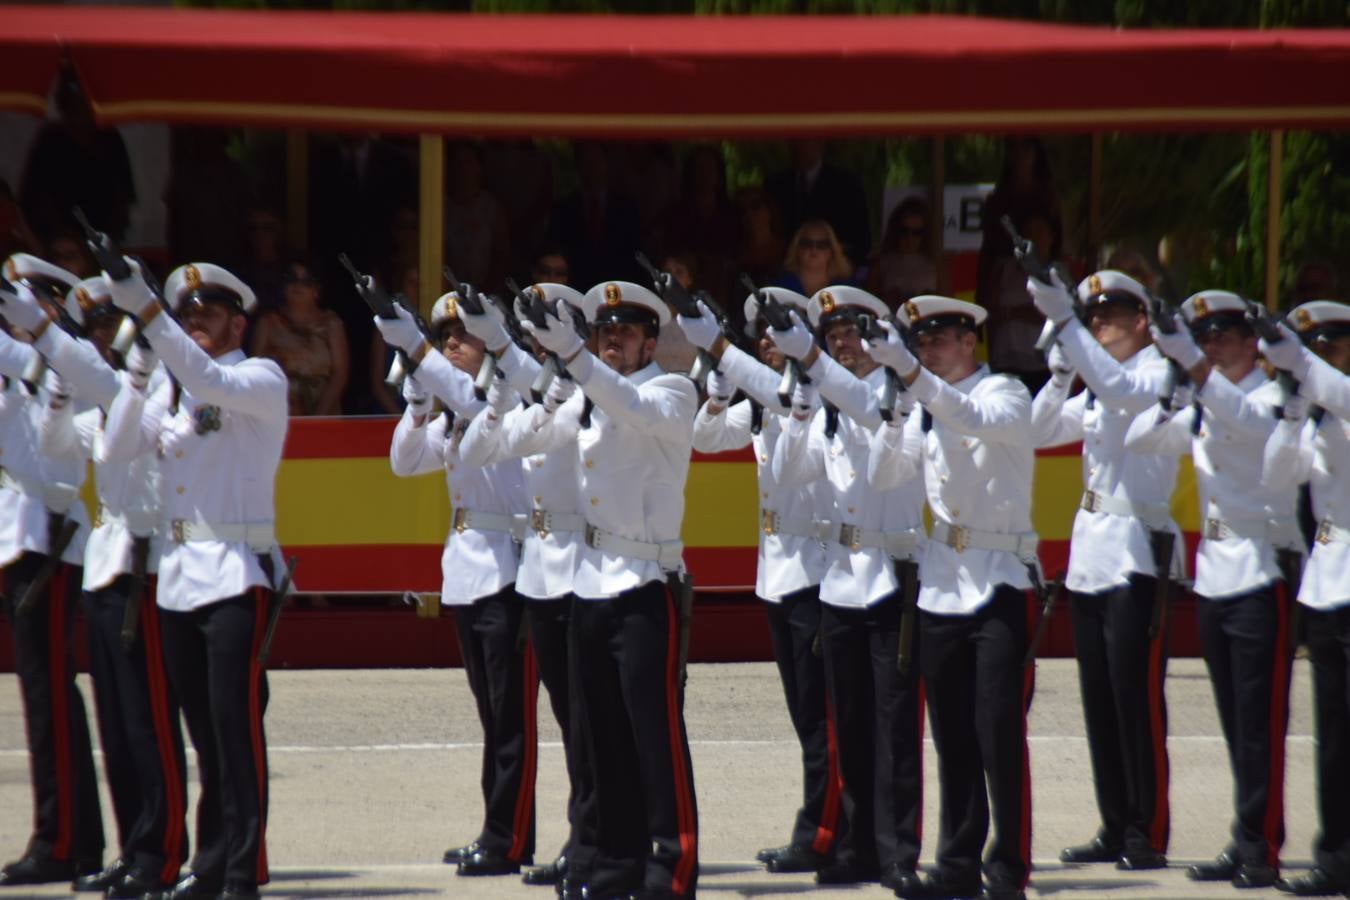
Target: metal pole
297	187
939	217
431	220
1274	193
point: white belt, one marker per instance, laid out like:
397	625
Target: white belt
960	538
896	543
260	536
56	497
543	523
773	522
485	521
1154	515
1328	531
668	554
140	522
1277	531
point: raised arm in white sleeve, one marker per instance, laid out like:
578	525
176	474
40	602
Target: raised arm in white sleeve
853	397
895	454
453	386
758	381
1241	412
998	415
15	357
1057	418
1119	388
1161	433
799	454
254	387
1288	458
417	448
1327	386
728	430
664	406
81	365
134	420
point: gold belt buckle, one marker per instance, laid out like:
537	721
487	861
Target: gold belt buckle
850	536
958	537
178	529
1324	532
592	536
98	516
539	522
461	519
1090	501
1214	529
769	520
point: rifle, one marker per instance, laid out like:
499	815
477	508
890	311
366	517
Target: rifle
108	255
1049	595
1267	328
382	305
685	304
1163	544
131	616
779	319
1024	251
1291	570
471	300
60	531
870	328
279	594
1163	316
537	312
908	572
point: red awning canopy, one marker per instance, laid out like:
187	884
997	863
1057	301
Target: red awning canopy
625	76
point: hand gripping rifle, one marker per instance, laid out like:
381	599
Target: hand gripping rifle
382	305
674	293
1024	251
871	329
109	258
1266	328
131	614
1164	317
280	593
472	301
779	319
536	311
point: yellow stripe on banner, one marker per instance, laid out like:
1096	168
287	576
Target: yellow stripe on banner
721	505
358	501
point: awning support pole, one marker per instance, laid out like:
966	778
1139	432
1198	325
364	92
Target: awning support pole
430	220
1274	193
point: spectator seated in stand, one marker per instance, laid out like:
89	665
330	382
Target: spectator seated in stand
477	239
904	265
815	259
308	342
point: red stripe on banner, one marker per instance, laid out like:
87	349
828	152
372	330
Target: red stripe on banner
174	801
520	824
255	674
1279	723
834	786
1161	826
339	437
56	673
1028	690
684	807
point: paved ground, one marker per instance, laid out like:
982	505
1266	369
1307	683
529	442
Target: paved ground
374	774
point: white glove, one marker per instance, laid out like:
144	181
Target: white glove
720	388
1183	395
803	400
419	401
1179	346
1295	408
23	310
401	332
891	353
1289	354
703	331
557	394
1061	370
796	341
1055	301
500	397
487	327
130	294
140	363
557	336
56	388
904	405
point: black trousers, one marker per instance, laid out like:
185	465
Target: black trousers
794	626
632	722
978	696
1121	673
1328	636
548	622
879	717
67	820
212	657
137	717
1245	641
505	685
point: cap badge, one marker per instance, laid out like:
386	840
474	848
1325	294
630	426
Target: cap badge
1302	321
612	295
912	311
1201	307
826	302
539	293
1095	284
85	301
451	307
192	277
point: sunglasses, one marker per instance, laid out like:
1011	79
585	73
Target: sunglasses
814	243
911	232
552	271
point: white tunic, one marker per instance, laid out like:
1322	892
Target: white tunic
978	463
1236	423
1106	548
218	459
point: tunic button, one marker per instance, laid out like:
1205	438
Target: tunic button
590	464
538	500
956	514
457	496
178	454
943	479
180	489
850	509
450	466
765	495
851	476
595	501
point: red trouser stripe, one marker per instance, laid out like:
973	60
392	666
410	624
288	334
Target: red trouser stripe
174	801
1028	690
684	805
1160	827
60	712
520	825
255	673
1279	721
834	784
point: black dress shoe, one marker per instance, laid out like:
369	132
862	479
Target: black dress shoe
552	873
1096	850
847	873
769	853
37	870
933	886
196	887
487	862
98	882
1222	868
569	888
455	854
995	892
1255	875
235	891
1141	860
135	884
901	880
795	858
1317	883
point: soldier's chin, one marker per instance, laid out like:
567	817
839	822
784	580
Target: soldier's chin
201	339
